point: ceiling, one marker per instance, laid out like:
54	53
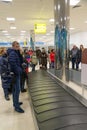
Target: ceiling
29	12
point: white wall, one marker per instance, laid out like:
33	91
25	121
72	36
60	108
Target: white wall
75	39
78	39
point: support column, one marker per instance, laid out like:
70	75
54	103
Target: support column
61	15
32	39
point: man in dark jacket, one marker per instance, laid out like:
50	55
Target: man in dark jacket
75	57
15	65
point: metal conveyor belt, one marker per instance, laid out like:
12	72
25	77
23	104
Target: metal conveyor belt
55	108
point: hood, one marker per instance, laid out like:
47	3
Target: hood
10	50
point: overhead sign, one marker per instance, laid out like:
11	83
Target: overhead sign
25	43
40	28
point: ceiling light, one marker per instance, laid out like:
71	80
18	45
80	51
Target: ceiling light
52	31
58	6
72	28
51	20
6	0
48	34
4	31
74	2
12	27
6	34
10	19
23	31
85	21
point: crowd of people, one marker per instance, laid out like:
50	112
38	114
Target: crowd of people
76	56
14	68
15	63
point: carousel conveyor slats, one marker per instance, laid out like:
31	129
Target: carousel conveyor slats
54	107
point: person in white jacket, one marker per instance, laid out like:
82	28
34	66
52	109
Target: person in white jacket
34	60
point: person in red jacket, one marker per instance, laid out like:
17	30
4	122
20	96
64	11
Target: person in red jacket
52	58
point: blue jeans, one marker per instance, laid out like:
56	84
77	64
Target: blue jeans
16	91
52	64
74	63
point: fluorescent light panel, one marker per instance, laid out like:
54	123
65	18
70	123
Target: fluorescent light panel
52	31
10	19
6	0
48	34
23	31
51	20
4	31
12	27
85	21
74	2
72	28
6	34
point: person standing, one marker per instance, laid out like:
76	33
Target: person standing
44	59
34	60
80	52
38	54
52	58
23	75
75	57
5	73
15	65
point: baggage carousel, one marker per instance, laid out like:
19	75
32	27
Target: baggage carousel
54	107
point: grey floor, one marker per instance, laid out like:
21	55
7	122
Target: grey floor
11	120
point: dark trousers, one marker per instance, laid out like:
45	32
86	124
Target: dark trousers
23	78
6	92
22	81
16	91
5	86
74	62
33	67
52	64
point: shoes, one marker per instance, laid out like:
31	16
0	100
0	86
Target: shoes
7	98
24	90
20	103
20	110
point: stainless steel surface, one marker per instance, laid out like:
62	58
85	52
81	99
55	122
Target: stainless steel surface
65	85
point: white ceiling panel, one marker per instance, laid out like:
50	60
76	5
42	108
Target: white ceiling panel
29	12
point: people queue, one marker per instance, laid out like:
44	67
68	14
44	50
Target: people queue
14	69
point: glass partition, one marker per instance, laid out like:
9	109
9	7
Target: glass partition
70	41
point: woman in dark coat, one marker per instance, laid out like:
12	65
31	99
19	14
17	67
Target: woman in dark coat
5	74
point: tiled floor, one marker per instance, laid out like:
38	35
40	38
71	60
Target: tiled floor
11	120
